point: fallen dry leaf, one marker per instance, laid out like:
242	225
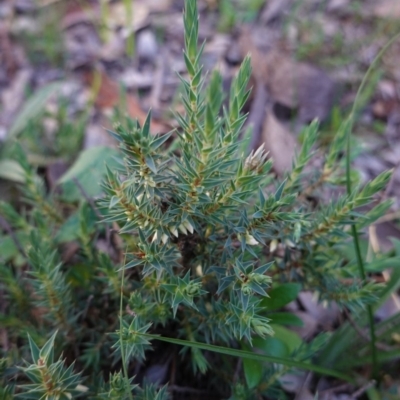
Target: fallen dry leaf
118	16
88	12
296	85
274	9
280	143
387	9
154	5
383	108
325	316
96	134
310	327
108	97
114	48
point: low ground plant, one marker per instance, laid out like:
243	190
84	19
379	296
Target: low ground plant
191	250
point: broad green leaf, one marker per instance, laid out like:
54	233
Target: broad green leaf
88	170
285	318
291	339
253	372
271	346
32	108
282	344
281	295
12	171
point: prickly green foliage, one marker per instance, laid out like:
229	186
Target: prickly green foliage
201	217
150	392
50	379
117	388
194	202
187	243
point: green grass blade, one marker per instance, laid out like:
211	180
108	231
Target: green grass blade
32	108
348	184
253	356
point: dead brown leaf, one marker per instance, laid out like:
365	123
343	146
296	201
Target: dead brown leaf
108	97
387	9
296	85
88	12
154	5
118	15
324	315
280	143
96	134
383	108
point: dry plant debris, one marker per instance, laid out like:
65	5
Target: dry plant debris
302	54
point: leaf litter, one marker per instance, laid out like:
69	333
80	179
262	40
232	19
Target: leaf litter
300	60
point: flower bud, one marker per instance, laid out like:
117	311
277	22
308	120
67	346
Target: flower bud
164	238
260	279
289	243
246	290
174	231
261	328
188	225
255	160
273	246
250	240
193	289
182	228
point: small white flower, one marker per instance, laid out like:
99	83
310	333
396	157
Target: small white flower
164	238
174	231
182	228
188	226
250	240
129	216
256	160
199	270
139	197
273	246
82	388
289	243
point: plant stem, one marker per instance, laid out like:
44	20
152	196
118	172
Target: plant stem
374	358
121	302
